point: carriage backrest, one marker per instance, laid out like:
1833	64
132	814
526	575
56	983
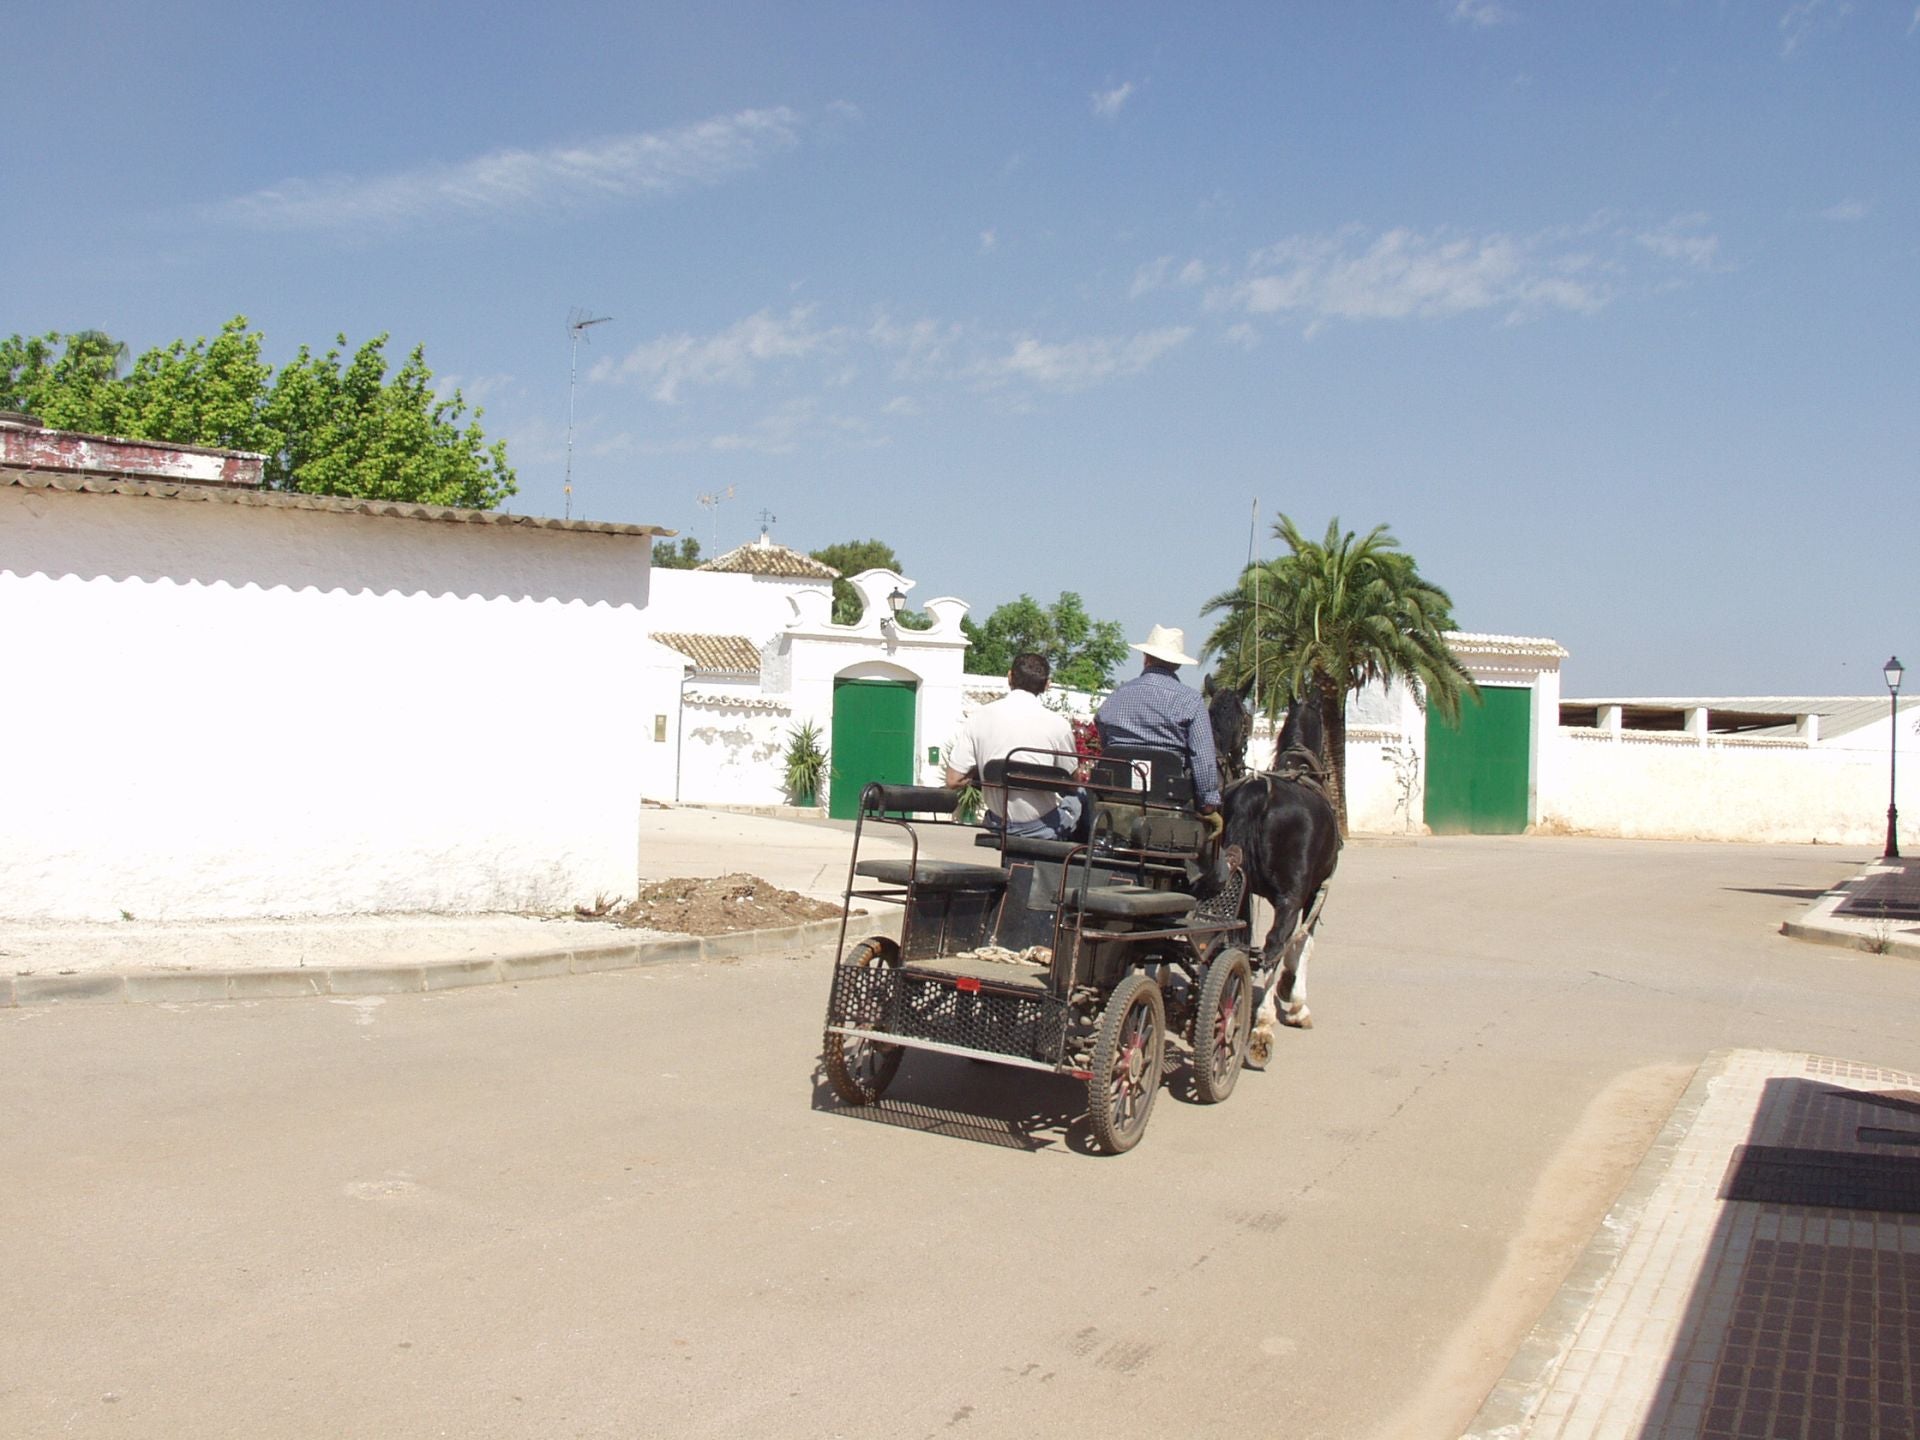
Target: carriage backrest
1143	773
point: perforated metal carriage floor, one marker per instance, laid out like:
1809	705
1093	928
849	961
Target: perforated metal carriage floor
1031	1026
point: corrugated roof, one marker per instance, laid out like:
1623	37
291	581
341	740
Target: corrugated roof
97	484
765	557
721	654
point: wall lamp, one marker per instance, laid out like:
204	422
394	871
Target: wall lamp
896	603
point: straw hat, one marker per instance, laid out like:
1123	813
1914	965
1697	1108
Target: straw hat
1165	644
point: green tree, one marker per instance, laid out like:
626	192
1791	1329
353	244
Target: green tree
352	431
669	556
1083	652
1327	618
324	429
850	557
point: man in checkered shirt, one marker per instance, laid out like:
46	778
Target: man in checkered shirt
1154	708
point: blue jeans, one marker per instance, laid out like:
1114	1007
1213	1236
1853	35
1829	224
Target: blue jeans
1060	823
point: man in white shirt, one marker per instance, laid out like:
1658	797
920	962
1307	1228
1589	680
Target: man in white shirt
1019	722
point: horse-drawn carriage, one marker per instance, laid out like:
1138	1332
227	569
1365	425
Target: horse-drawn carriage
1080	957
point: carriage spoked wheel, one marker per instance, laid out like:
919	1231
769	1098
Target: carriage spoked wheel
1127	1057
1222	1023
861	1070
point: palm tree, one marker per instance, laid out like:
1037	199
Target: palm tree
1327	618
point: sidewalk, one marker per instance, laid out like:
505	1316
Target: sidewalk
135	960
1695	1314
1844	915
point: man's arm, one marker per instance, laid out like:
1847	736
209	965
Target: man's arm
1206	768
960	761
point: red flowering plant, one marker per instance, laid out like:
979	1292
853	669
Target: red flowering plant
1086	744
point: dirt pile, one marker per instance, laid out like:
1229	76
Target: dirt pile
714	906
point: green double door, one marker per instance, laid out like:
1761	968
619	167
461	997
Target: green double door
872	740
1477	771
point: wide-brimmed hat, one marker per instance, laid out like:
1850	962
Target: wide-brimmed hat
1166	644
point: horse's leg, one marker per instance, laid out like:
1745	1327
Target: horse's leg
1293	974
1293	982
1260	1044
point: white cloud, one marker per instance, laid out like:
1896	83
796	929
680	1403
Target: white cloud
1807	18
475	390
1080	364
1403	274
1480	13
1107	103
988	240
1682	238
1160	273
517	182
1847	210
672	363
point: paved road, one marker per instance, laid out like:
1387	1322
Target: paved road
623	1205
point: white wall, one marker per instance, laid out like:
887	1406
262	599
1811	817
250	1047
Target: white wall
224	711
1669	786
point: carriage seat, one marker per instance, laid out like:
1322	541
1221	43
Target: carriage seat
934	874
1129	902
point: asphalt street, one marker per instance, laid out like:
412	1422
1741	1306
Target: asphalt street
626	1204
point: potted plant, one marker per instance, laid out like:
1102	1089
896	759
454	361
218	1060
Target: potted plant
806	763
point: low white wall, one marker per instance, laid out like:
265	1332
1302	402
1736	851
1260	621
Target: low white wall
733	749
1659	785
226	711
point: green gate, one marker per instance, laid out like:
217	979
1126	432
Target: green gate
1477	771
872	740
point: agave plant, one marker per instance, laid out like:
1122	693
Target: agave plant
806	763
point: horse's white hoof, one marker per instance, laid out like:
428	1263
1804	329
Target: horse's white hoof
1298	1016
1260	1047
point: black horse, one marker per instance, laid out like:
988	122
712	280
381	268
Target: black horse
1232	724
1286	829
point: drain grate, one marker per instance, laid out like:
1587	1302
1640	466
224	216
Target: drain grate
1783	1175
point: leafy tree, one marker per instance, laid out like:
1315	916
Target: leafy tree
669	556
324	429
1327	618
850	557
1083	652
352	431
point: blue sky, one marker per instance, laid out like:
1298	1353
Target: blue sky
1608	311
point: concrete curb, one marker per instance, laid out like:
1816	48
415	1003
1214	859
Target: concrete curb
1821	924
140	987
1511	1404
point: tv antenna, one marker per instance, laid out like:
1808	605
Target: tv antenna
577	322
713	500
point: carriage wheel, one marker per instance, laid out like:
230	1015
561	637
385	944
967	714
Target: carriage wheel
1127	1056
861	1070
1221	1026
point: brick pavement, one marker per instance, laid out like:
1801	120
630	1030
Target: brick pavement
1693	1316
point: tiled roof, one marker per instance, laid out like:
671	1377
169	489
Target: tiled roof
721	654
96	484
1465	642
764	557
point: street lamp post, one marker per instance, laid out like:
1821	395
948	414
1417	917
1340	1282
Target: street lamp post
1894	673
